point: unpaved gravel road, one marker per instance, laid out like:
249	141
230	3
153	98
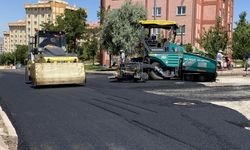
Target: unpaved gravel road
232	92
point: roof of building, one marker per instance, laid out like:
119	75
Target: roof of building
46	1
49	4
6	33
18	23
92	25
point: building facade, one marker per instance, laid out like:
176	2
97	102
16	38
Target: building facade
17	34
192	16
36	14
6	41
1	46
43	12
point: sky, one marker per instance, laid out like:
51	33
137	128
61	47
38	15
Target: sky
13	10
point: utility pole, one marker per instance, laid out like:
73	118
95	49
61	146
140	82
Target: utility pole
154	30
154	9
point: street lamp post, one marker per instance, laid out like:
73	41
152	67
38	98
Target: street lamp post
154	9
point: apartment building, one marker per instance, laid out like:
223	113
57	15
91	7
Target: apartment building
1	46
192	16
17	34
92	25
36	14
43	12
6	41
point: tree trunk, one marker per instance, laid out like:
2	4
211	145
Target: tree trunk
110	58
74	49
93	59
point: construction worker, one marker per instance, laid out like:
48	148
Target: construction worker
219	59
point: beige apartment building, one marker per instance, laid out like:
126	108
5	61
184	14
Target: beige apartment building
15	36
192	16
6	41
43	12
1	47
36	14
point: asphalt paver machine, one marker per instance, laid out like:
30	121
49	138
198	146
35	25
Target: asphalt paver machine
166	59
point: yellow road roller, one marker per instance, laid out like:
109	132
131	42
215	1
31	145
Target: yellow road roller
49	63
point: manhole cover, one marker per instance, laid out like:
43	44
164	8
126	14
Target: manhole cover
184	103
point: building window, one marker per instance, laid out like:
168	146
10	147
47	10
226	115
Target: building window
181	29
181	10
156	11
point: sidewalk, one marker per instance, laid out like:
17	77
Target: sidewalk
8	136
101	72
233	72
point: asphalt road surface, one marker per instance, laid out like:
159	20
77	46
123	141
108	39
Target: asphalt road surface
107	115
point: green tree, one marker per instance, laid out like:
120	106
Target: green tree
21	53
91	49
49	26
214	39
189	48
73	23
241	37
92	44
102	14
2	58
121	29
7	58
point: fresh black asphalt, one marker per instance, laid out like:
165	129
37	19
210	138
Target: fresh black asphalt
107	115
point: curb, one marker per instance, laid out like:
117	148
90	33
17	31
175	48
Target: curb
238	72
100	72
11	137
